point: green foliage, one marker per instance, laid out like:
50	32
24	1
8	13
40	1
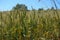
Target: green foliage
20	7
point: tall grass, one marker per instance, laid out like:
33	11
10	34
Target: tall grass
29	25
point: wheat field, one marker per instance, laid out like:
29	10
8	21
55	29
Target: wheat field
30	25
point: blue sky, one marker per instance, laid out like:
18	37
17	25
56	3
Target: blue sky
9	4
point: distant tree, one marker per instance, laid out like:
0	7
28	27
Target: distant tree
52	8
40	9
20	7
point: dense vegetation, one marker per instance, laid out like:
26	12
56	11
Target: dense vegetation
30	25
